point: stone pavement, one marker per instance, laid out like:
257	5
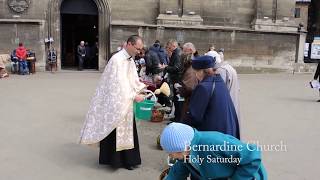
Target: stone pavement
42	114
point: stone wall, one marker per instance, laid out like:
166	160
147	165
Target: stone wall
36	10
227	23
28	27
285	9
138	11
304	10
241	48
276	9
29	33
228	12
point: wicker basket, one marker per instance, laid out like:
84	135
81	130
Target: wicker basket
157	116
164	174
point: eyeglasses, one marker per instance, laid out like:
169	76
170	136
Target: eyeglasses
138	49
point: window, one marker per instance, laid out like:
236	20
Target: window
297	13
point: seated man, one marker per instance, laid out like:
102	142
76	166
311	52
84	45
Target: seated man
201	154
21	53
14	62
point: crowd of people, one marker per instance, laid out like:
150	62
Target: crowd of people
22	61
204	104
19	63
204	101
174	65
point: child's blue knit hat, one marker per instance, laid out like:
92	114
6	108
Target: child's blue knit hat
176	137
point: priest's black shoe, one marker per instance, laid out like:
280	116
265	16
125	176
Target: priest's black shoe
130	168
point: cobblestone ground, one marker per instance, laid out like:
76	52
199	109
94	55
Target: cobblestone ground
42	114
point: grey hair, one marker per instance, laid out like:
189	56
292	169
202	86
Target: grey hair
189	45
172	42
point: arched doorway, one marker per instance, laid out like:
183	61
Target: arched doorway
61	16
79	22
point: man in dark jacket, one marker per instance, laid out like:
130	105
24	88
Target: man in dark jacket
81	52
174	69
163	56
152	61
14	62
161	52
88	56
317	75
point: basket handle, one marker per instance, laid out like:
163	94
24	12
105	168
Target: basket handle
150	94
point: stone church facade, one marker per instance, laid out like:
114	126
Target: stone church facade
254	33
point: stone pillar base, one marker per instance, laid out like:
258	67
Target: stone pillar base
278	26
165	19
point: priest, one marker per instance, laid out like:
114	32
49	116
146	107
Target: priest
110	119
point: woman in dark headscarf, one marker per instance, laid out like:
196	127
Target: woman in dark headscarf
211	107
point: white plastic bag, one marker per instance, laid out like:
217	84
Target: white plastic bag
315	84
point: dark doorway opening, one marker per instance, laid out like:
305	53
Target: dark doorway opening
79	22
312	52
313	20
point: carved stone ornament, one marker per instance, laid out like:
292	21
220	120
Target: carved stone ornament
18	5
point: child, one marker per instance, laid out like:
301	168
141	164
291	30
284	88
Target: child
142	72
201	154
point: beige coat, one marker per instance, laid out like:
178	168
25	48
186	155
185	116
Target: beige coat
4	59
230	76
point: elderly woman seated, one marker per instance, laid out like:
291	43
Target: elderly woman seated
3	60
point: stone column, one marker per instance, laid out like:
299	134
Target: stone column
275	16
264	16
264	9
191	7
179	12
300	47
169	5
285	10
169	11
